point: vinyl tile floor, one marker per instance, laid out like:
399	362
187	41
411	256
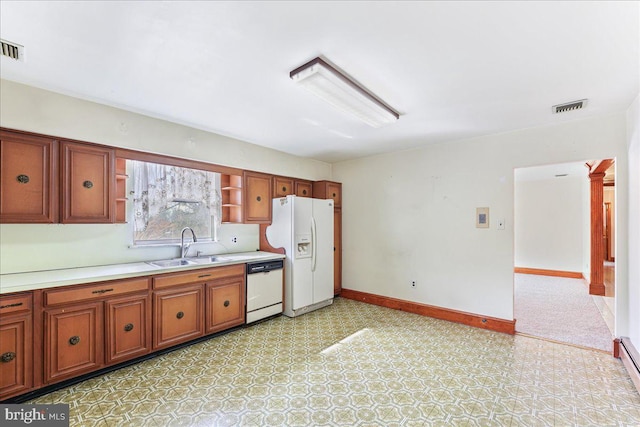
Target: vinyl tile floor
355	364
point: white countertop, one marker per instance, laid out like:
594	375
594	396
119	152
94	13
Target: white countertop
18	282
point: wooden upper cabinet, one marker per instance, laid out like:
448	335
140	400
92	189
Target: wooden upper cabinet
88	183
28	179
282	186
304	188
328	190
257	198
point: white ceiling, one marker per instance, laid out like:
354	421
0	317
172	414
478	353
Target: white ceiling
452	69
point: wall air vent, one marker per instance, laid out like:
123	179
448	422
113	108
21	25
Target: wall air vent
569	106
12	50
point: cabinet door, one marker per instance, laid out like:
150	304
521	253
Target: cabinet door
225	304
257	201
334	191
73	341
128	322
28	179
304	189
178	315
282	186
16	366
328	190
337	251
88	183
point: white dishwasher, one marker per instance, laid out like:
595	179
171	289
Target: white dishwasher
264	289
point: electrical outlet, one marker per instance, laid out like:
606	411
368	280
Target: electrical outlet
413	283
234	240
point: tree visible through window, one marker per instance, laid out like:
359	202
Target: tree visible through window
168	198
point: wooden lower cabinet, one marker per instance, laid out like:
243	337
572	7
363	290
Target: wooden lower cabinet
16	362
73	341
128	326
178	315
225	304
75	330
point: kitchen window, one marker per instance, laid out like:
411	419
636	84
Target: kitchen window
168	198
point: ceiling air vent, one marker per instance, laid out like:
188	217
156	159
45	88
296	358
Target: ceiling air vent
12	50
569	106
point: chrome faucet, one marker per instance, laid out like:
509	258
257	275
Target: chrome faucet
184	248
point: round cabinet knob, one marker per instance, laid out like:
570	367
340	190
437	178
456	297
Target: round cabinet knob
128	327
334	194
304	192
22	179
8	356
284	189
258	198
226	303
180	315
87	184
74	340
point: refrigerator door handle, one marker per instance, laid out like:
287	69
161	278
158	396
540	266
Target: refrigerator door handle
314	243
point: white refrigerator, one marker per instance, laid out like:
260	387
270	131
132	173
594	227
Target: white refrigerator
304	228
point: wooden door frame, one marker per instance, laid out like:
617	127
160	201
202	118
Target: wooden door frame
596	177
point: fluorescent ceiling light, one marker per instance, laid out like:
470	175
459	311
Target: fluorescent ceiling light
343	93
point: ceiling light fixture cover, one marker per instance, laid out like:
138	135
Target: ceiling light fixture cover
340	91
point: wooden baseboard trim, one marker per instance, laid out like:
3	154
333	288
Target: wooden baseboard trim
596	289
630	359
491	323
555	273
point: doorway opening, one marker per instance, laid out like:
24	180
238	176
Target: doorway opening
553	256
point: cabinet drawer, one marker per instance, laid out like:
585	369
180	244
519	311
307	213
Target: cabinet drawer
91	292
197	276
15	304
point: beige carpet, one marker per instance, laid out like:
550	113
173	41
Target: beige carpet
559	309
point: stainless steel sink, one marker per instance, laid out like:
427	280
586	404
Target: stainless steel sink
171	263
209	259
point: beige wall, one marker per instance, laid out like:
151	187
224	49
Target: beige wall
50	246
548	225
628	298
410	215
